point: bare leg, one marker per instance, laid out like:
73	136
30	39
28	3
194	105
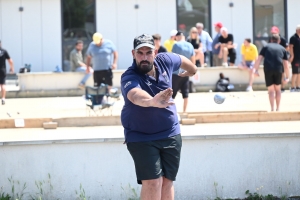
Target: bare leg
294	78
278	96
151	189
167	192
271	90
298	80
3	91
251	76
200	56
185	103
225	55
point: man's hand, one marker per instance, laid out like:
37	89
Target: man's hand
114	66
162	99
286	80
11	71
185	74
217	46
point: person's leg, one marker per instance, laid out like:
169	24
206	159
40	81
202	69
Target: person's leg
225	54
298	80
277	96
271	91
201	58
232	57
294	78
3	91
184	87
175	84
167	191
148	167
152	189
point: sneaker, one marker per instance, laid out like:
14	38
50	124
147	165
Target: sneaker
293	89
249	89
81	86
3	102
225	64
297	89
282	90
205	65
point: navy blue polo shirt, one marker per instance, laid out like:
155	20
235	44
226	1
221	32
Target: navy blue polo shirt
150	123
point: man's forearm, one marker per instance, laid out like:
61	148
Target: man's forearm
88	61
286	68
115	57
11	64
187	65
139	97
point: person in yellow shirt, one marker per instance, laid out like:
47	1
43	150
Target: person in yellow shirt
168	44
249	55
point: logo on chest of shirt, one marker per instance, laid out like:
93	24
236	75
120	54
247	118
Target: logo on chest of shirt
1	53
148	83
165	75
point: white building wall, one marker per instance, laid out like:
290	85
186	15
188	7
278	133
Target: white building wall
238	19
293	21
120	21
51	34
12	30
31	22
0	19
34	35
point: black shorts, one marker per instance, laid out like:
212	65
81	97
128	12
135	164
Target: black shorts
273	77
103	76
232	55
296	67
2	78
157	158
180	83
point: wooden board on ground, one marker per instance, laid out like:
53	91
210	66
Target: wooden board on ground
245	117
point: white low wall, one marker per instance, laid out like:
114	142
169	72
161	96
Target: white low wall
70	80
103	166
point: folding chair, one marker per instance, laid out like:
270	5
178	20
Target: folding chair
97	99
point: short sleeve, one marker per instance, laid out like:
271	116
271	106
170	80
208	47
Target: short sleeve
220	39
230	38
129	82
285	55
113	47
263	52
292	40
6	55
172	61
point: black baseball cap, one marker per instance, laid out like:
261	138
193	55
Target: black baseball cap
144	40
179	33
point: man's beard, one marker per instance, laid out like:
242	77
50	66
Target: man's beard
144	66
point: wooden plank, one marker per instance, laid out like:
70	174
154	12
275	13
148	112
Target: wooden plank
29	122
246	117
188	121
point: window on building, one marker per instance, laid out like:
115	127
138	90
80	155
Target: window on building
78	24
268	13
189	12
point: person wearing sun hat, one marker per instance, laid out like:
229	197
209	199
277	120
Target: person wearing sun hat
104	56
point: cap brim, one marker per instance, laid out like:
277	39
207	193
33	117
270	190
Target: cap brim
144	45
